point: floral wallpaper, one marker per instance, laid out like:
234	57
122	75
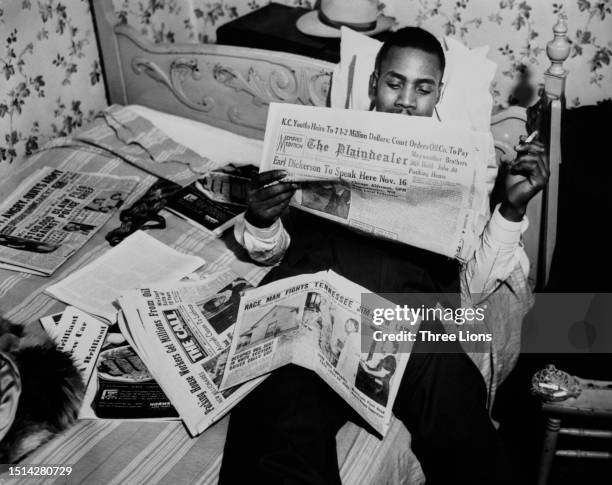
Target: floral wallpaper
50	76
515	30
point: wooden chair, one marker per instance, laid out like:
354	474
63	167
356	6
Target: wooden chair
595	401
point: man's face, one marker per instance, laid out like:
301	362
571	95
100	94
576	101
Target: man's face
408	82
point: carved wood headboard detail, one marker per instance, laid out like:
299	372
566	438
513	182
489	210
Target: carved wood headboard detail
225	86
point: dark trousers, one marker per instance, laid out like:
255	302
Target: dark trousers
284	432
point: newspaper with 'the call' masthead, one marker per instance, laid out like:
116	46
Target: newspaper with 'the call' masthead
410	179
209	343
182	331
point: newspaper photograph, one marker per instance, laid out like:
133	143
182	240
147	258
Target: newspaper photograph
123	388
53	213
182	332
363	168
316	321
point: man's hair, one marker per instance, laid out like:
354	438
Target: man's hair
413	37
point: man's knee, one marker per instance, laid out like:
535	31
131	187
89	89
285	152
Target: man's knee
292	401
294	417
442	391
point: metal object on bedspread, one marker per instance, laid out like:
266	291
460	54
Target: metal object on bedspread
144	213
226	185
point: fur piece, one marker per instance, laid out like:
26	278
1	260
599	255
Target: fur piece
52	390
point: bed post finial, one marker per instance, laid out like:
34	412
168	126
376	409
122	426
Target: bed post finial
558	51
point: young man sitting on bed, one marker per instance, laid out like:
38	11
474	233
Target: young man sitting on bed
284	431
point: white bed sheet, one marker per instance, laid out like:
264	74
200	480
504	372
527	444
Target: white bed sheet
220	146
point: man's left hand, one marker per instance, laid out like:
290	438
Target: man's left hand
525	178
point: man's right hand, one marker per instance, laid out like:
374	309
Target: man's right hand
268	197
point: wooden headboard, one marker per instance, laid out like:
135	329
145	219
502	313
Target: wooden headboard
231	88
225	86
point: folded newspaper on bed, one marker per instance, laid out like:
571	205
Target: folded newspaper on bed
182	331
53	213
79	335
411	179
315	321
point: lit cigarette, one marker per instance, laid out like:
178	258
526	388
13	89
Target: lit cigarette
521	145
527	140
531	137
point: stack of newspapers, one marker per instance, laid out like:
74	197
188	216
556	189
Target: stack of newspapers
182	332
208	343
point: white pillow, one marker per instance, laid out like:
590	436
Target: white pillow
467	77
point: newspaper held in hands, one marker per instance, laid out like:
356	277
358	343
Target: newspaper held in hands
139	259
409	179
182	332
53	213
315	321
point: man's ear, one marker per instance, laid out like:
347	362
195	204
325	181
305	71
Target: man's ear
440	91
372	86
10	390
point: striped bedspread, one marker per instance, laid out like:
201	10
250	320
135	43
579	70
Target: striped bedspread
124	452
116	452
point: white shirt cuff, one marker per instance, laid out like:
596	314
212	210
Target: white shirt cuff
504	233
264	233
265	245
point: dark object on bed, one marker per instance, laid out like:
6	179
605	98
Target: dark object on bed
44	385
211	202
228	185
144	213
216	199
22	244
194	205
